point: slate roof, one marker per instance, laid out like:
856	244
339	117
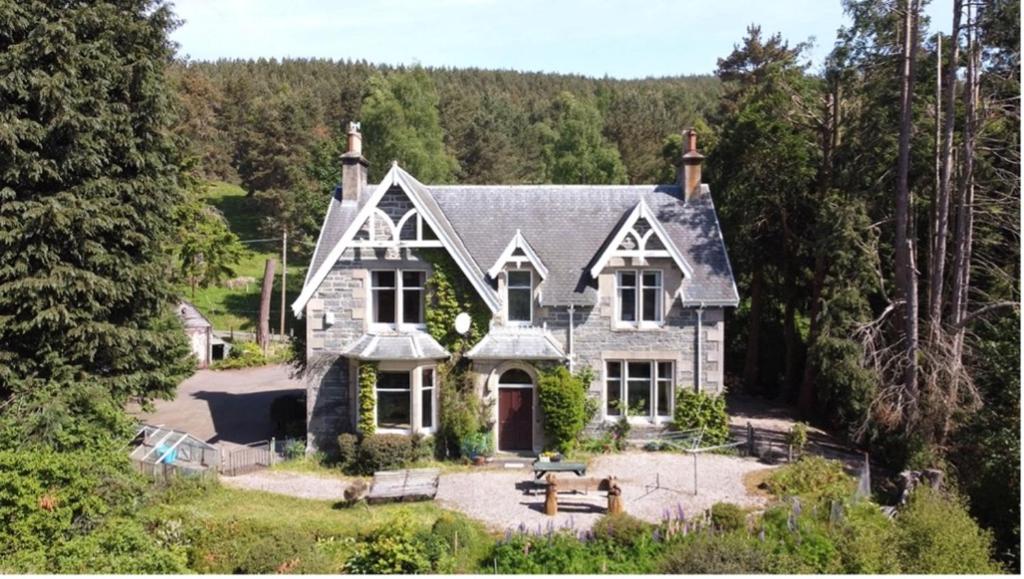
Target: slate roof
191	317
413	345
568	226
518	343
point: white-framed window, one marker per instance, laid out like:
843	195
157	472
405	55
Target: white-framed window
519	296
406	399
394	400
397	295
639	389
639	297
427	406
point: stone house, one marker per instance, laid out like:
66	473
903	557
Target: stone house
630	280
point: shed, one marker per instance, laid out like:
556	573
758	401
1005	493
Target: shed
199	331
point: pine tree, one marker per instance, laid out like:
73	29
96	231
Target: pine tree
87	198
577	151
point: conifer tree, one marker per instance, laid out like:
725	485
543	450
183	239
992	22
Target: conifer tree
88	191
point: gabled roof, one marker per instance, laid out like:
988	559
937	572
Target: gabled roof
351	216
569	226
641	211
518	242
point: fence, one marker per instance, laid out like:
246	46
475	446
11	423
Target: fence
257	455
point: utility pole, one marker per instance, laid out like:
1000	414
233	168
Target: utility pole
284	274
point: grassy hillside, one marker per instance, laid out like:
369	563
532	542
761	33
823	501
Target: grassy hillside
237	309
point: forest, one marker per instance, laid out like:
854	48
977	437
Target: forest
870	205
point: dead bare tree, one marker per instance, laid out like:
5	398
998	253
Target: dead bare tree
263	329
940	222
906	274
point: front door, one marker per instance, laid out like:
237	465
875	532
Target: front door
515	418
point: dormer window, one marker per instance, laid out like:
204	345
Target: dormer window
639	295
397	295
520	297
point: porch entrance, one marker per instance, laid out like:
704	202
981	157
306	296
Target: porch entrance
515	411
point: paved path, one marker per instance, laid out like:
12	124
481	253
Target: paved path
225	406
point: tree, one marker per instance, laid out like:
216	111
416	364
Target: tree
401	123
87	198
576	151
206	249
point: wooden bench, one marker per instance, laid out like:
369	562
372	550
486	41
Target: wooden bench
556	486
542	468
418	484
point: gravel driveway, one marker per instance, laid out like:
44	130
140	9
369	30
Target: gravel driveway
651	484
293	484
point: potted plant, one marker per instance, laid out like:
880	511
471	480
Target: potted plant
477	446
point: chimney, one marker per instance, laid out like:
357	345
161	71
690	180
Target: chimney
353	166
689	170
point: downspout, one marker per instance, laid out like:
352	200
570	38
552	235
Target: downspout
697	362
572	310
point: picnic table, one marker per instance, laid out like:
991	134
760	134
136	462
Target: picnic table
542	468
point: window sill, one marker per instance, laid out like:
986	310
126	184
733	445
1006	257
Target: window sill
641	420
642	327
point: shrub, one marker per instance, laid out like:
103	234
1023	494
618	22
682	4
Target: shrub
622	529
704	411
242	355
477	444
384	452
557	553
803	543
935	534
460	409
731	553
812	478
119	546
865	541
295	449
728	517
367	421
288	415
467	541
348	450
563	401
392	548
422	447
797	437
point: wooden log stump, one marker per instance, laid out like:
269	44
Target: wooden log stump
551	497
614	497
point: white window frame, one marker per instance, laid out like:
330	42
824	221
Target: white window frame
508	286
638	303
399	289
416	389
376	403
656	402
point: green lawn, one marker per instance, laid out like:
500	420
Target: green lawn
237	309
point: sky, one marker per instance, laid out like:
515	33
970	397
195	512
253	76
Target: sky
596	38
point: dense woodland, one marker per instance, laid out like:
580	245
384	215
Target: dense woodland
870	206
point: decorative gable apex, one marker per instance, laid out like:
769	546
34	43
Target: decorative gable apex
421	225
641	237
517	251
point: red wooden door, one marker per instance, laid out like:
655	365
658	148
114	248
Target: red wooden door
515	419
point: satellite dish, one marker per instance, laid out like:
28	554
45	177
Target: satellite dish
462	323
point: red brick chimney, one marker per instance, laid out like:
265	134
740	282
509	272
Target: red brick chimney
353	166
689	167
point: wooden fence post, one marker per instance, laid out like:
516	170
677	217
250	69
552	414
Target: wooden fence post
750	440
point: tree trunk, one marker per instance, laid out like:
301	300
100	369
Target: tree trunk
807	398
789	332
750	366
263	330
906	278
965	210
940	224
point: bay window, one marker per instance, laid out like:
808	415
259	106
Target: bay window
394	408
405	399
639	389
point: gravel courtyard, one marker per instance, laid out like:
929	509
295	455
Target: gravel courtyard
492	496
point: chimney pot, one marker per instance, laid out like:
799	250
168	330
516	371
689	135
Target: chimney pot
690	164
353	166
